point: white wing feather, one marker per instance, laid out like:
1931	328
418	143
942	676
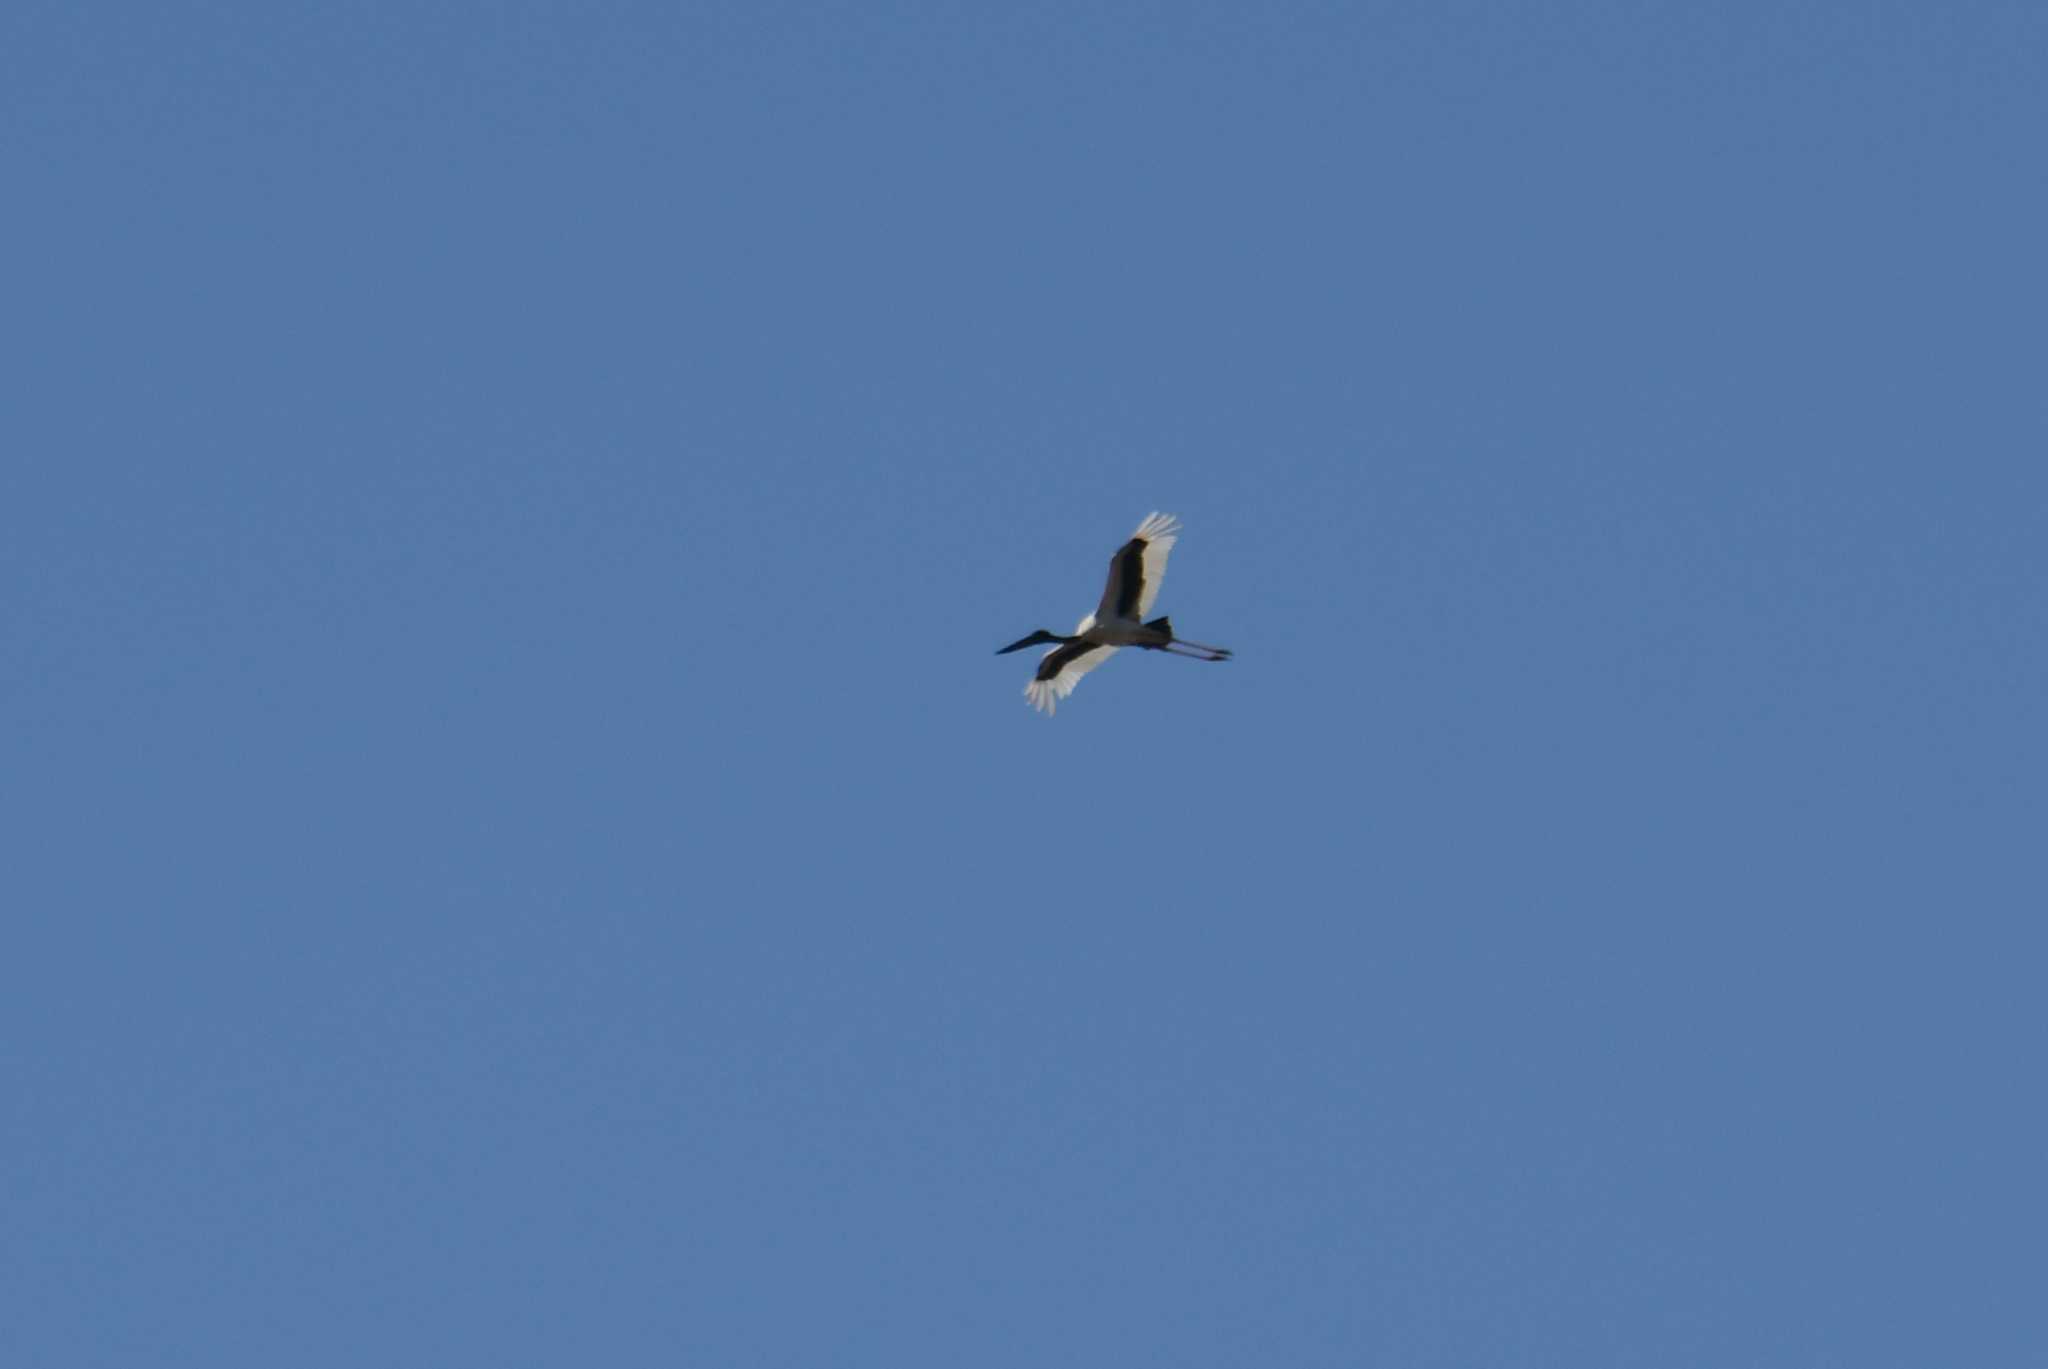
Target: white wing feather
1045	695
1160	531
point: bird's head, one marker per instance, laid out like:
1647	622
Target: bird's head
1038	638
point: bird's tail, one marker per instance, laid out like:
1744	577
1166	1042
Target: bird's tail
1183	648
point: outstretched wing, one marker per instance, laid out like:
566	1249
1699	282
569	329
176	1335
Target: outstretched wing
1060	669
1137	568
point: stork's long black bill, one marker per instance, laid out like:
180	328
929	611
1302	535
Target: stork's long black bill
1035	639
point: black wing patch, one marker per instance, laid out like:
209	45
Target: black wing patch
1056	661
1127	568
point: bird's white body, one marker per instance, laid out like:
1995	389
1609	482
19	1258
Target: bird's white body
1118	621
1121	632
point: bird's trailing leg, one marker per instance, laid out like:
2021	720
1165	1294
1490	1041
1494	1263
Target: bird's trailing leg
1196	651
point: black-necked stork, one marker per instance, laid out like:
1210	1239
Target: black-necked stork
1118	621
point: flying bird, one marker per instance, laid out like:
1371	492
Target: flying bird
1118	621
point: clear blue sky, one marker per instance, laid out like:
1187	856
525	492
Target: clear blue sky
518	850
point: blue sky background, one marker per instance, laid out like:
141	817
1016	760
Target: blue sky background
518	850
